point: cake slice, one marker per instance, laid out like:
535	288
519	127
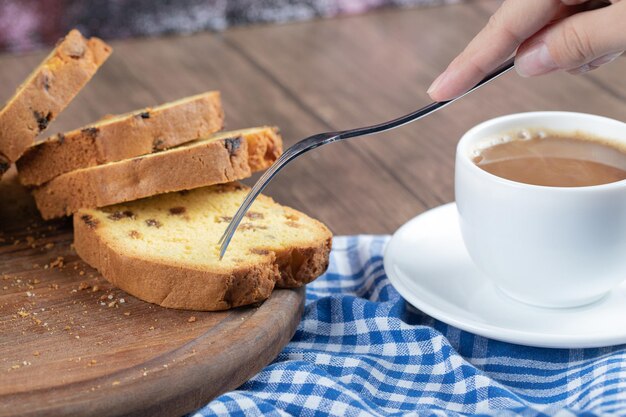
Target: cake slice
48	90
124	136
164	249
221	158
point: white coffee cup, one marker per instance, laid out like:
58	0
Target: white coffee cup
547	246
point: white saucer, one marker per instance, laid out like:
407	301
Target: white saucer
426	261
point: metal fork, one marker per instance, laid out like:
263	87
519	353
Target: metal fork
321	139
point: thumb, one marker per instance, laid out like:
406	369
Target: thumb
575	42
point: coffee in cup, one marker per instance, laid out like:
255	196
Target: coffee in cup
554	159
542	235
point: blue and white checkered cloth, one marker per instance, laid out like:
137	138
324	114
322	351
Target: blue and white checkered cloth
361	350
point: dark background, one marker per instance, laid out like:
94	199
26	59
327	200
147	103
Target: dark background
31	24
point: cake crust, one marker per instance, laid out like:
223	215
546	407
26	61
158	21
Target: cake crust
222	158
211	287
48	90
115	138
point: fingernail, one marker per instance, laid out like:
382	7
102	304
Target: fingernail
535	61
605	59
436	83
581	70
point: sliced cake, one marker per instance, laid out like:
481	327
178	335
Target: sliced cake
124	136
221	158
164	249
48	90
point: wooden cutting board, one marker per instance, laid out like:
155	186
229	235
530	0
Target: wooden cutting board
72	344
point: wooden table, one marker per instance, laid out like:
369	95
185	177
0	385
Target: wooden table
312	77
335	74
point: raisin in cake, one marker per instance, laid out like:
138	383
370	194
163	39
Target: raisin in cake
221	158
48	90
164	249
123	136
4	165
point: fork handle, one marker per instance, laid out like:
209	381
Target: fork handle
321	139
426	110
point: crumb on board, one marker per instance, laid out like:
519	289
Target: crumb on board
57	263
191	319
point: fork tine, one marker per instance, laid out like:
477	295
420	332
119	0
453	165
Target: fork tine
314	141
247	202
291	153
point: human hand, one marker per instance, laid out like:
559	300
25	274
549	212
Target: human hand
549	35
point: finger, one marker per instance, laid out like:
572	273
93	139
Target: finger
596	63
513	22
573	42
591	4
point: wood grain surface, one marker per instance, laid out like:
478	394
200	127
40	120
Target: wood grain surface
304	77
72	344
334	74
